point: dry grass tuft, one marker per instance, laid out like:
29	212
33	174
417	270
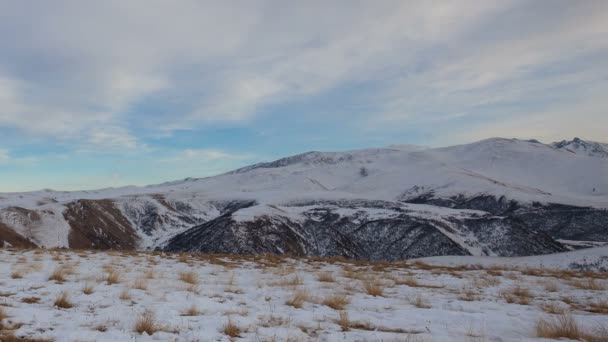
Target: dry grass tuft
63	301
10	337
421	302
101	327
291	281
30	300
189	277
183	258
337	301
588	284
3	314
469	295
298	299
17	274
88	289
565	326
125	295
326	277
601	307
550	285
59	275
113	276
146	323
150	274
373	287
192	311
140	284
519	295
343	321
231	329
553	308
409	281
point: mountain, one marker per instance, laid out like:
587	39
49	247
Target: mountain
590	148
502	197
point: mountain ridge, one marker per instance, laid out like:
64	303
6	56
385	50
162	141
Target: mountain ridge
410	201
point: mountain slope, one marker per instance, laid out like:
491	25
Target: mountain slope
502	197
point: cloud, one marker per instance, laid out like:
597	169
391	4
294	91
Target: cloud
206	155
547	125
92	63
110	73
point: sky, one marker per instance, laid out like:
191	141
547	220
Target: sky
109	93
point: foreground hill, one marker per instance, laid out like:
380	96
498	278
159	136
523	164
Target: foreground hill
501	197
62	295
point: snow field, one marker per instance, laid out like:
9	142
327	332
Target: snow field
60	295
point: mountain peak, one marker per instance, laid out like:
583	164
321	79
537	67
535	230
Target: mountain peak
585	147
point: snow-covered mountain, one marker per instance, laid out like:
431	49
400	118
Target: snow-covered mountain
590	148
492	197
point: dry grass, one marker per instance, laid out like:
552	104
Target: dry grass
326	277
146	323
113	275
63	301
192	311
485	281
231	329
3	314
101	327
519	295
600	306
469	295
189	277
30	300
125	295
140	284
565	326
10	337
553	308
150	274
343	321
17	274
337	301
88	289
408	281
373	287
298	299
290	281
588	284
421	302
183	258
550	286
59	275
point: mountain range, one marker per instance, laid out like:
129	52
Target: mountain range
498	197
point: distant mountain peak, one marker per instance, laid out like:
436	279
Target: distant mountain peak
585	147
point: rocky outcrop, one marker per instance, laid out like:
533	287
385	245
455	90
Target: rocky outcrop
370	230
98	224
557	220
9	238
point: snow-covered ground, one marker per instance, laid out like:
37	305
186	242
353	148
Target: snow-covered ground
588	259
272	299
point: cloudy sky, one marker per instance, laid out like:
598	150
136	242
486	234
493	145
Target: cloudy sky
110	93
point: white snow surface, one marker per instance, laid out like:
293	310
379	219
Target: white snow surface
589	258
253	296
522	170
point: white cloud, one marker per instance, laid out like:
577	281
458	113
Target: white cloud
79	72
205	155
547	125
